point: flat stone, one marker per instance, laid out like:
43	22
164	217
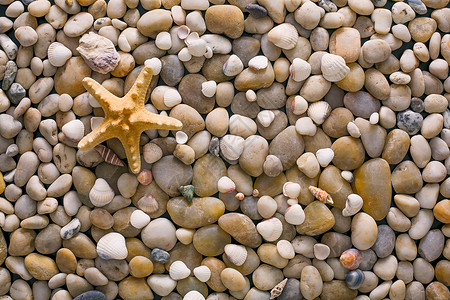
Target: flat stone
431	246
241	228
318	219
200	212
226	19
170	173
385	242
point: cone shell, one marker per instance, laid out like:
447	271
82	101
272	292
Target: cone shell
319	111
226	185
237	254
232	146
148	204
209	88
112	246
193	295
58	54
291	189
178	270
101	193
278	289
265	117
284	36
294	215
109	156
334	67
351	258
183	32
258	62
353	205
203	273
233	66
74	130
171	97
299	69
270	229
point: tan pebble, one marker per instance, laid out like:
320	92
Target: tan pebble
140	266
66	260
422	29
375	51
232	279
40	266
95	277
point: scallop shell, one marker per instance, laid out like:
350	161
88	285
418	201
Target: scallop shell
278	289
299	105
193	295
183	32
112	246
148	204
98	52
101	193
299	69
237	254
209	88
203	273
294	214
226	185
233	66
270	229
172	97
334	67
163	40
178	270
184	55
181	137
74	130
354	279
155	63
325	156
185	235
139	219
284	36
320	194
145	177
58	54
231	146
285	249
291	189
351	258
353	205
250	95
319	111
259	62
265	117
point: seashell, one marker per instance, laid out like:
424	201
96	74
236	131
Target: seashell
172	97
353	204
353	130
265	117
148	204
58	54
74	130
320	195
291	202
237	254
305	126
163	40
187	191
203	273
299	105
155	63
258	62
209	52
240	196
285	249
319	111
184	55
123	43
291	189
250	95
354	279
145	177
183	32
255	193
325	156
101	193
233	66
98	52
185	235
193	295
299	69
109	156
226	185
139	219
95	121
231	146
270	229
214	146
333	67
321	251
196	46
178	270
181	137
278	289
112	246
294	214
209	88
374	118
351	258
284	36
347	175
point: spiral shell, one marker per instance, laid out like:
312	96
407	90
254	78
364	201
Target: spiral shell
233	66
58	54
278	289
109	156
353	204
209	88
231	146
319	111
270	229
226	185
112	246
148	204
193	295
203	273
101	193
291	189
294	215
299	69
237	254
171	97
259	62
284	36
334	67
178	270
265	117
320	194
351	258
354	279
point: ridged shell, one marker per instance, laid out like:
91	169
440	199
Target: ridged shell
299	69
334	67
139	219
209	88
226	185
319	111
294	215
353	204
354	279
270	229
237	254
320	194
148	204
299	105
351	258
181	137
285	249
278	289
265	117
183	32
145	177
74	130
58	54
101	193
193	295
178	270
291	189
258	62
172	97
112	246
163	40
233	66
98	52
109	156
203	273
155	63
232	146
284	36
324	156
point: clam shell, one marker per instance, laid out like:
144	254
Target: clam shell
284	36
181	137
231	146
270	229
265	117
155	63
250	95
101	193
58	54
299	69
203	273
163	40
196	46
354	279
226	185
193	295
353	205
74	130
233	66
334	67
209	88
291	189
258	62
184	55
148	204
183	32
112	246
285	249
325	156
172	97
294	215
299	105
139	219
178	270
237	254
374	118
319	111
347	175
145	177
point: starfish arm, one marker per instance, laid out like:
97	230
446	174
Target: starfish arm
140	86
99	92
131	145
148	120
95	137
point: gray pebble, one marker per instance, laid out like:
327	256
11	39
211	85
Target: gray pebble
160	255
446	115
10	74
385	242
12	150
16	93
256	11
291	290
431	245
329	6
91	295
418	6
409	121
172	70
337	242
415	291
417	105
369	258
6	163
70	229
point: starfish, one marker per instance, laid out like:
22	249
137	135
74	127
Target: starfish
125	118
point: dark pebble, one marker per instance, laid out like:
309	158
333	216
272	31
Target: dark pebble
369	258
256	11
431	245
327	5
417	105
160	255
291	290
409	121
91	295
16	93
385	242
418	6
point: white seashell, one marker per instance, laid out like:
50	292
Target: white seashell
139	219
155	64
233	66
178	270
299	105
172	97
232	146
163	40
250	95
291	189
209	88
203	273
258	62
196	46
226	185
185	235
299	69
265	117
237	254
333	67
184	55
347	175
319	111
291	202
285	249
353	204
209	52
193	295
181	137
325	156
58	54
374	118
112	246
183	32
123	43
74	130
95	121
294	215
284	36
353	130
101	193
321	251
270	229
305	126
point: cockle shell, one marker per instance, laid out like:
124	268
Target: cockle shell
183	32
178	270
353	204
284	36
319	111
354	279
74	130
193	295
209	88
203	273
299	69
278	289
148	204
181	137
172	97
233	66
109	156
299	105
334	67
285	249
139	219
163	40
265	117
294	214
258	62
348	176
320	194
101	193
155	63
226	185
250	95
270	229
145	177
231	146
237	254
325	156
112	246
351	258
291	189
98	52
58	54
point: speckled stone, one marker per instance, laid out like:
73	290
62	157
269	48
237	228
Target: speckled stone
385	242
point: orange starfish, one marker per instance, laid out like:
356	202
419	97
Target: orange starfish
125	118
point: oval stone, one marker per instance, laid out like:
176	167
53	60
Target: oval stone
200	212
330	180
318	219
241	228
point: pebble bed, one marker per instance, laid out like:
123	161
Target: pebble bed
312	163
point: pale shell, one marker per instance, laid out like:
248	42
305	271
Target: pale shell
112	246
58	54
184	55
284	36
294	215
196	46
193	295
265	117
374	118
231	146
237	254
233	66
209	52
139	219
353	205
347	175
181	137
270	229
183	32
291	202
278	289
321	251
299	69
203	273
101	193
334	67
155	63
185	235
163	40
319	111
325	156
353	130
98	52
148	204
291	189
209	88
226	185
178	270
172	97
299	105
95	121
285	249
74	130
259	62
250	95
